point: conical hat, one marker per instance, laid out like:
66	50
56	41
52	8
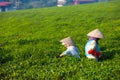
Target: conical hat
96	33
68	40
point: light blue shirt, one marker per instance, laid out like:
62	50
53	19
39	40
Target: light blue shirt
72	51
88	45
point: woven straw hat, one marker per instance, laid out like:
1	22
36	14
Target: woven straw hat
68	40
96	33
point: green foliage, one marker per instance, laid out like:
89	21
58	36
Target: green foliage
31	45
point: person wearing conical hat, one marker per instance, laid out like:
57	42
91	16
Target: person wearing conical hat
72	50
92	49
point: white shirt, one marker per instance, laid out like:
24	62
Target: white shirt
72	51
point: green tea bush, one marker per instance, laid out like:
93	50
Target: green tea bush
31	44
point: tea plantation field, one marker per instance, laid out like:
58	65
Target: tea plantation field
30	42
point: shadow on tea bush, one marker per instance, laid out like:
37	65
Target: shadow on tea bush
5	55
33	41
109	54
25	41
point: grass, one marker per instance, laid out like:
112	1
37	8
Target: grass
31	45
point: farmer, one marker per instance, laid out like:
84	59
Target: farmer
92	49
72	50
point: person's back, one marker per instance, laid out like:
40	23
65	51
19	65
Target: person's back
91	44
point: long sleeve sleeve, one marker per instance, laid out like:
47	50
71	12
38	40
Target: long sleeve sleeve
92	45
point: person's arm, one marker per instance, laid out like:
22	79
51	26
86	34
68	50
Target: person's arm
64	53
92	46
61	55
